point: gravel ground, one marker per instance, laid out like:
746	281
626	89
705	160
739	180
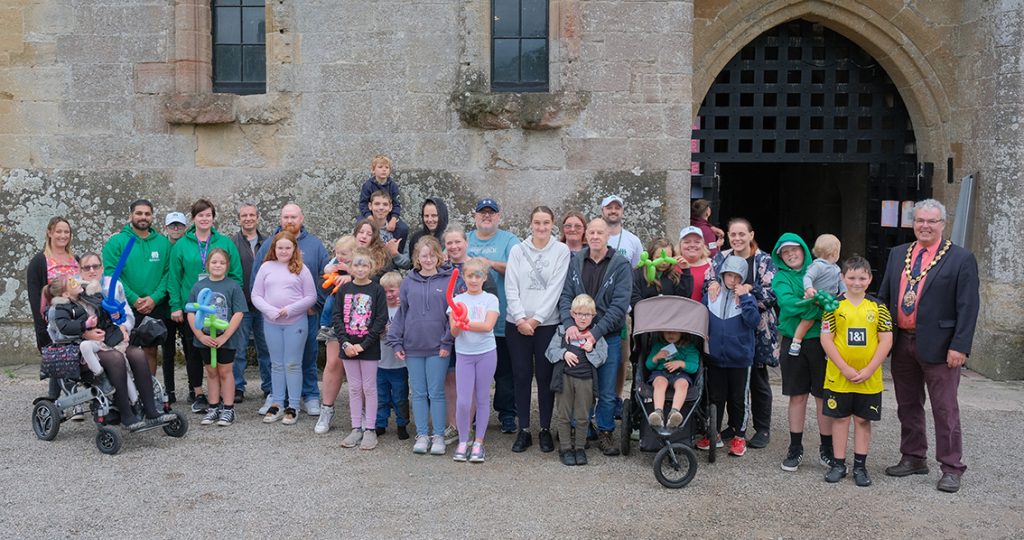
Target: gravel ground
255	480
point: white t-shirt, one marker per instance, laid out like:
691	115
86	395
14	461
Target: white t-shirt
627	245
479	305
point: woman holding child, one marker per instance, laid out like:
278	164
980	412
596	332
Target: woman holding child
56	259
533	284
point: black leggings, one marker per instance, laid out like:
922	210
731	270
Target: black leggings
168	349
760	398
114	366
527	358
193	362
727	389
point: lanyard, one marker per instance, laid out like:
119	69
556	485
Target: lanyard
204	248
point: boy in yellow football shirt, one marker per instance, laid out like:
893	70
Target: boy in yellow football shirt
856	338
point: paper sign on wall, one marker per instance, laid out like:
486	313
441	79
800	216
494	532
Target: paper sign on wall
890	213
908	215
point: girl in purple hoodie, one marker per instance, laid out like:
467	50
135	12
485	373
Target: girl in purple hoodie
420	335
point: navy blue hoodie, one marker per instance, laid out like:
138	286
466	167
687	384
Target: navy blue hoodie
420	327
731	327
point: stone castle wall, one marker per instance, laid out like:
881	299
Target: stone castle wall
102	102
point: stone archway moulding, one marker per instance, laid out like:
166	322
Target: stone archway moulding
915	78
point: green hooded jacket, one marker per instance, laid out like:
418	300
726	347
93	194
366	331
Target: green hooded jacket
145	273
788	285
186	265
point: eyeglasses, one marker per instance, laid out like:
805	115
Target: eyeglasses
91	267
928	221
572	226
583	315
176	226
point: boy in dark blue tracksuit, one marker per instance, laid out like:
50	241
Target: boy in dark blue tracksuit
734	318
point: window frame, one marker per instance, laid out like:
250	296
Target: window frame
235	87
520	85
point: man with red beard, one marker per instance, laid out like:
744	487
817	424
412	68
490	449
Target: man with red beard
315	257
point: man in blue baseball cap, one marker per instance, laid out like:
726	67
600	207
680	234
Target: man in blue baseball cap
494	244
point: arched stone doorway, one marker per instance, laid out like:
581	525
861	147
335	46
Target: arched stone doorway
804	131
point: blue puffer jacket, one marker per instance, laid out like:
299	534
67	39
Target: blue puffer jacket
731	326
420	327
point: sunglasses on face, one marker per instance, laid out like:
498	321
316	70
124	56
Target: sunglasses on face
91	267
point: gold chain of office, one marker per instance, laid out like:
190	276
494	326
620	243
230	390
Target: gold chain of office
910	298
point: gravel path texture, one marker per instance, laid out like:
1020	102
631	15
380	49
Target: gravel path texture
252	480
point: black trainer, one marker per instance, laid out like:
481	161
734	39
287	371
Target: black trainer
568	457
825	456
793	457
759	440
523	441
239	396
581	456
836	472
860	477
546	441
403	433
200	405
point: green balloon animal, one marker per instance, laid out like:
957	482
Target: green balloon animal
215	325
823	299
650	266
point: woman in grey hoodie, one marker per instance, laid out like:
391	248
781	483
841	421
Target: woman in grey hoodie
420	335
533	284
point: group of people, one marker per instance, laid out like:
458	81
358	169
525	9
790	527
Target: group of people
551	310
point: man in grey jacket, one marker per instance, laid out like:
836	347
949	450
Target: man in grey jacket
249	240
605	276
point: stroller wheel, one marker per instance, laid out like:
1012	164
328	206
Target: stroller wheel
46	419
712	430
177	427
675	465
627	426
108	440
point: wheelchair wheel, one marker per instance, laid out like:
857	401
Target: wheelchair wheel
108	440
46	419
712	430
178	427
675	465
627	426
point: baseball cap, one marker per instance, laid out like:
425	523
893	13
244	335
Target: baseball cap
610	199
175	217
787	244
487	203
690	230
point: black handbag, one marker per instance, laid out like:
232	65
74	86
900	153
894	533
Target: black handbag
60	362
149	333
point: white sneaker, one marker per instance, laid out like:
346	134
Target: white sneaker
437	446
422	444
313	407
266	406
352	439
323	424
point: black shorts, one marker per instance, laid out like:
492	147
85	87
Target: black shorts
672	377
843	404
224	356
804	374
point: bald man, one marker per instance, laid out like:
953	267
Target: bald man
315	257
605	275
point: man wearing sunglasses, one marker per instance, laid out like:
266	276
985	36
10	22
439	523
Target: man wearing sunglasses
144	276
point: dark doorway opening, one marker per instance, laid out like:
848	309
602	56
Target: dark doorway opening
804	198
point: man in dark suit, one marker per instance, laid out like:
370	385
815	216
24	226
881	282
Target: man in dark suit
931	288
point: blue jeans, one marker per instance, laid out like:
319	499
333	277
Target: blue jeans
426	378
606	376
285	344
392	393
325	315
251	327
310	389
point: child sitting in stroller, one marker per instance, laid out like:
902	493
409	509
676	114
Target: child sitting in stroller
672	360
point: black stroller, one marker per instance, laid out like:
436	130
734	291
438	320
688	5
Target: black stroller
675	464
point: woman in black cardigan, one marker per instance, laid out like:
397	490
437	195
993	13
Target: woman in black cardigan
56	259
